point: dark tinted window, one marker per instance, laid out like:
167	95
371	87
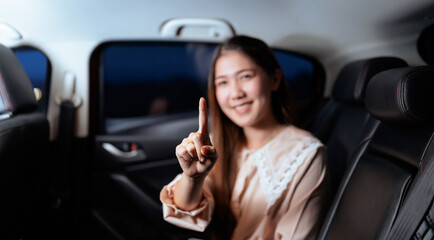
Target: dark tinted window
154	79
37	67
302	74
160	78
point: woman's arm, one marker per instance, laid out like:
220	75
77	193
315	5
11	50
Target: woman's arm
188	192
196	156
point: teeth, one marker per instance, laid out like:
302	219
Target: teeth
242	106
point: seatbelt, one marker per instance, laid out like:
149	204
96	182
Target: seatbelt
63	155
64	144
419	200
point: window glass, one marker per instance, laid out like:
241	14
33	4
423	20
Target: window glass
154	79
144	79
299	72
37	67
305	78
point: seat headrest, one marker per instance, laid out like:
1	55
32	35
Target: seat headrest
403	96
352	80
16	91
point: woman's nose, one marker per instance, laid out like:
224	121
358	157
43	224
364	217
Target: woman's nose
237	91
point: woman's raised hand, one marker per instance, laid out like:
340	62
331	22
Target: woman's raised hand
195	154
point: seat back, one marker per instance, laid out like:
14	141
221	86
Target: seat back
23	148
344	118
376	184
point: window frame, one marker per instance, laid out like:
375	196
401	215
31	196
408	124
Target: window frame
96	116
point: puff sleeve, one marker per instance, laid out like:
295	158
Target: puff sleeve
196	219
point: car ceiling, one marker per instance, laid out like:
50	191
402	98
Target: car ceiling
327	30
342	23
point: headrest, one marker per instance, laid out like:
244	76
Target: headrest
425	44
16	91
351	83
404	95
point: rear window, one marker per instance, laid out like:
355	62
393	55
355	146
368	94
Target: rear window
147	79
37	67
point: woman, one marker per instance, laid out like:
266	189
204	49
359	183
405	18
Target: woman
269	180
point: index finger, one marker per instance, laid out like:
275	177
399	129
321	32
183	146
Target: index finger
203	116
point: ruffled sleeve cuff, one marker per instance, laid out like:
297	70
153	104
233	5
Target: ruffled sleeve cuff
196	219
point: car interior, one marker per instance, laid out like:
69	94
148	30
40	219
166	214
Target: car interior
96	95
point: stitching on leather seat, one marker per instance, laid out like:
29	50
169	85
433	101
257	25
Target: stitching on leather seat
400	107
404	90
360	81
4	93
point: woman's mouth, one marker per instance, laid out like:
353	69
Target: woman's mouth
240	109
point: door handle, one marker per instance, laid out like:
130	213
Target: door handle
131	155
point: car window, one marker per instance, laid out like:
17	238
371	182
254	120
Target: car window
154	79
149	79
302	75
38	68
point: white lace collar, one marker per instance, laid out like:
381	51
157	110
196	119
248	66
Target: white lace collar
274	180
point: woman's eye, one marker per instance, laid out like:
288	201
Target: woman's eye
246	76
221	83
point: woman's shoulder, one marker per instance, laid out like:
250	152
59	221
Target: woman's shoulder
292	144
292	136
292	148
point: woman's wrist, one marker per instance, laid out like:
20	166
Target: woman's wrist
196	179
188	192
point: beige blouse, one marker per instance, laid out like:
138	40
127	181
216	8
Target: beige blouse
278	193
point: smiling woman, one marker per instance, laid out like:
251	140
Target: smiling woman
257	147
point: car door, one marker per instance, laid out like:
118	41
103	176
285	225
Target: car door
145	102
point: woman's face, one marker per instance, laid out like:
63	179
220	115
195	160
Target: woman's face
243	90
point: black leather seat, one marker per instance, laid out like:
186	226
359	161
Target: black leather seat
342	121
23	144
376	185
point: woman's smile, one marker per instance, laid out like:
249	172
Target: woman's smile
243	108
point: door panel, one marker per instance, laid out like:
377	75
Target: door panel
129	169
